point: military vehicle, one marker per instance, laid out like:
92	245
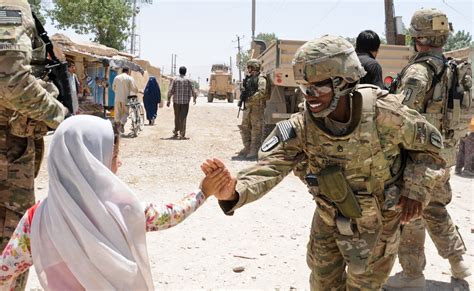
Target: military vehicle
221	85
285	96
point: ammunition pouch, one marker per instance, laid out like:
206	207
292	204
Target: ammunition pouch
333	185
22	126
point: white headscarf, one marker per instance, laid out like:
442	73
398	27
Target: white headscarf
89	233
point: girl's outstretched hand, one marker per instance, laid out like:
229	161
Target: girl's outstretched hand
214	181
226	191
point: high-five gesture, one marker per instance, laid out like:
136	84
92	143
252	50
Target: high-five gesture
227	190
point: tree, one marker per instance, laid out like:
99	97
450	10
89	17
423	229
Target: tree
266	37
244	56
107	20
460	39
36	7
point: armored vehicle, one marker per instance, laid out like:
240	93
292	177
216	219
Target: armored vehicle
221	85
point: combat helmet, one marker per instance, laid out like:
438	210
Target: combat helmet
430	26
254	63
328	58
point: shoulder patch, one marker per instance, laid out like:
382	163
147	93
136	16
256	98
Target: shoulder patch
436	140
286	130
270	143
10	16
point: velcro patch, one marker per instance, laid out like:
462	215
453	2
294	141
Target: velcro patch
10	16
270	143
286	130
7	33
436	140
407	93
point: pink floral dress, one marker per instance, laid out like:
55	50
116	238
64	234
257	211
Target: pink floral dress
16	257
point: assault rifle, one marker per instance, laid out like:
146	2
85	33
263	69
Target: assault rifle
55	69
244	96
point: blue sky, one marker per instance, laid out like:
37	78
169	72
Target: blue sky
204	32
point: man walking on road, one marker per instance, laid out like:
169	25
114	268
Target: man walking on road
123	86
181	91
426	86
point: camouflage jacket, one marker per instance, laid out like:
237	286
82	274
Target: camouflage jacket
366	154
424	87
20	91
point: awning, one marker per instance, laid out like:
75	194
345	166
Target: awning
117	63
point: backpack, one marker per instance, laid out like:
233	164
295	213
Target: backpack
449	101
268	88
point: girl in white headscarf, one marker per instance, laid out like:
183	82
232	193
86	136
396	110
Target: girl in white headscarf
89	233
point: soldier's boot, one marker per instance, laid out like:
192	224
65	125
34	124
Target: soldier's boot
401	281
244	152
252	153
459	268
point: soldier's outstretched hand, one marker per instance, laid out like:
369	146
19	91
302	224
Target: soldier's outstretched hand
411	209
227	191
214	181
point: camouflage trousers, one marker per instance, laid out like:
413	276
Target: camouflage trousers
252	126
440	227
19	163
329	257
8	222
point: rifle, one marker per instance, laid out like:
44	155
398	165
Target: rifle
55	69
243	96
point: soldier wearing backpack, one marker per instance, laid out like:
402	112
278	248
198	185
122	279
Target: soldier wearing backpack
439	89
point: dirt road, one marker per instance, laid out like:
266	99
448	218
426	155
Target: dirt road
267	238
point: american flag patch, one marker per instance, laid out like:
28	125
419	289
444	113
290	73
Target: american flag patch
10	16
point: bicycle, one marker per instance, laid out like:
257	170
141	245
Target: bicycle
136	114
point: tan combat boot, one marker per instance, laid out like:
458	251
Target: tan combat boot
252	153
401	281
459	268
243	152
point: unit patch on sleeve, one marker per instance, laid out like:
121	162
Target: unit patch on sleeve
270	143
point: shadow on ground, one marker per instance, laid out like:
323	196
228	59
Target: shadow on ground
431	285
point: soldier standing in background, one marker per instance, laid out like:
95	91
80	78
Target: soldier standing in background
424	86
465	157
345	145
27	107
252	119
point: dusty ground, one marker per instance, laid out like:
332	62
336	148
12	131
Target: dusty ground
268	238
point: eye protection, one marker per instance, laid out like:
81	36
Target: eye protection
315	90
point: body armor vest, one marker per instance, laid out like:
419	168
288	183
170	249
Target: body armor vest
450	115
366	166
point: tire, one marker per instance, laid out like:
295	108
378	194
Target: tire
230	98
267	129
210	98
134	118
141	115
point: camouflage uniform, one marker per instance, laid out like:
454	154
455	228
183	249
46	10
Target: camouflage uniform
418	93
364	154
252	119
26	108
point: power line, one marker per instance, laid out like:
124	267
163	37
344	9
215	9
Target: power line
326	15
467	18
